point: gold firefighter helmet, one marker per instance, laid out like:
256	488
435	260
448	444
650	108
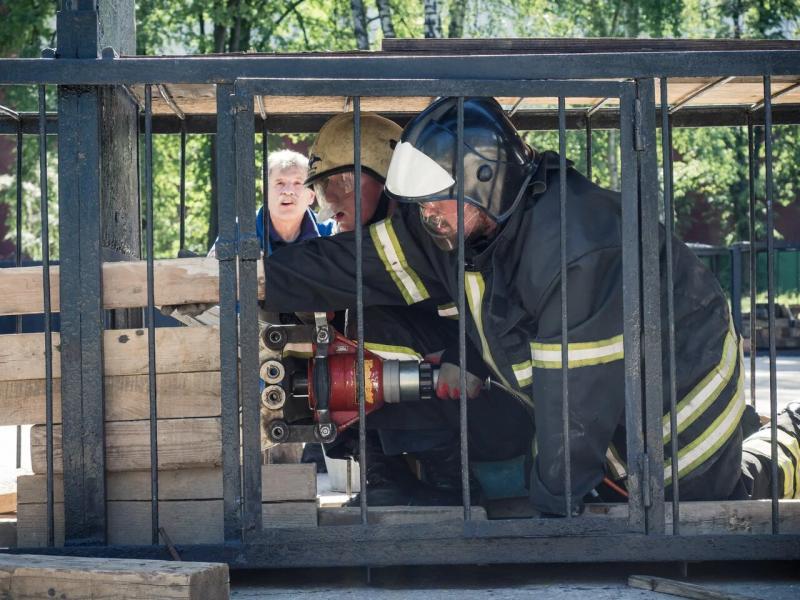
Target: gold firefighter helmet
332	151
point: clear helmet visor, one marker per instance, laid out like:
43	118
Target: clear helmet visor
442	224
413	174
345	184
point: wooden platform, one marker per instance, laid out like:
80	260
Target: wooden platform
25	577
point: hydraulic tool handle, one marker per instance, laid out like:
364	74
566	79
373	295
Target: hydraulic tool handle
321	384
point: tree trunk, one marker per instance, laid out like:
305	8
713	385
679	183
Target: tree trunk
360	24
385	13
457	10
433	22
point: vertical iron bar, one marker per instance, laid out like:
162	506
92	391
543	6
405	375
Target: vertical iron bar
736	286
770	195
589	147
651	307
632	308
751	164
562	180
266	246
462	331
183	186
229	331
666	150
151	313
48	341
362	431
249	255
18	257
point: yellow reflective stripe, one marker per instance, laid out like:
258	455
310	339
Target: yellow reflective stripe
448	311
394	260
475	288
788	448
523	372
707	391
703	446
615	464
580	354
393	352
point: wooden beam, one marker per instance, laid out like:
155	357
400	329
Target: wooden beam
34	576
181	443
178	350
126	398
278	483
682	589
177	281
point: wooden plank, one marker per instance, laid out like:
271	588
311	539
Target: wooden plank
397	515
25	577
178	350
181	443
289	514
681	588
127	398
8	502
185	521
177	281
278	483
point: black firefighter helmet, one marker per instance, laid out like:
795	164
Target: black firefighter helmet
498	164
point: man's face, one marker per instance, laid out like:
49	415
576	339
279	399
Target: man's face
288	197
440	219
337	192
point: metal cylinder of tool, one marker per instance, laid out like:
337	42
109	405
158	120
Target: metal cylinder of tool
406	381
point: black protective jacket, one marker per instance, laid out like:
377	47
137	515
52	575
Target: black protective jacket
514	305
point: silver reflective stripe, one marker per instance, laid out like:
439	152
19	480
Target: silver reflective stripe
448	311
707	391
524	373
581	354
394	260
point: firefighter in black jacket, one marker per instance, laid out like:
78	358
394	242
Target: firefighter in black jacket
511	224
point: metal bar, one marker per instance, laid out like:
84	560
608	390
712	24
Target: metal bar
81	315
632	309
462	324
362	415
48	338
562	178
307	547
229	331
760	104
162	90
694	94
523	87
669	217
209	69
595	107
773	398
260	106
588	148
249	250
18	256
182	207
151	312
266	245
751	177
4	110
512	111
651	309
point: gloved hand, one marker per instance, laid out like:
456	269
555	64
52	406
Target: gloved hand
448	384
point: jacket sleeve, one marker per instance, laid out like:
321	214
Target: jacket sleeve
595	378
320	274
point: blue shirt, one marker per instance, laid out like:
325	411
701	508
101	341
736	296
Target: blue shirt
309	229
